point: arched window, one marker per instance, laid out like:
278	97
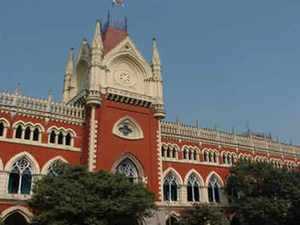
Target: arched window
190	155
174	153
52	137
1	129
185	154
168	152
20	177
60	138
19	132
210	154
36	134
52	170
214	190
15	218
163	152
205	156
224	159
215	157
27	133
195	155
170	188
193	189
128	169
68	139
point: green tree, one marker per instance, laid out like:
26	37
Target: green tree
75	196
262	194
204	214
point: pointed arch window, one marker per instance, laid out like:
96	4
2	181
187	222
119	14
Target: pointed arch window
52	137
68	139
170	188
52	170
193	189
214	190
128	169
60	138
1	129
27	133
36	134
20	177
19	132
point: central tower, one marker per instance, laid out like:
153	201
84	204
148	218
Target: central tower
123	96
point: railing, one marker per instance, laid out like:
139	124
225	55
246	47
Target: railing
16	102
178	130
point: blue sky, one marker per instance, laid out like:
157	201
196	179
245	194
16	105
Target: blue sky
227	62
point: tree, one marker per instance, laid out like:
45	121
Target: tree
204	214
261	194
72	195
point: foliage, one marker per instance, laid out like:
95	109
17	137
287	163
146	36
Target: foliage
78	197
262	194
204	214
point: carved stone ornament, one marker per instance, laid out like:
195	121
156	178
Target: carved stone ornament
125	78
128	128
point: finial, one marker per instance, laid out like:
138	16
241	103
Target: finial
155	56
197	123
49	98
17	89
108	18
177	120
233	131
215	125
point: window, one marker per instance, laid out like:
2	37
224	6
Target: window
27	133
52	137
170	188
19	132
36	134
20	177
214	190
52	170
1	129
128	169
206	156
193	189
60	138
68	139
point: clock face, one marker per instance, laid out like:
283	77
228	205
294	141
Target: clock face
125	78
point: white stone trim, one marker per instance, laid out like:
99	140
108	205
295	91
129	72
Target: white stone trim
218	177
137	132
17	209
34	162
159	159
38	144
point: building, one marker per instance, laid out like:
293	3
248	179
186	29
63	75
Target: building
111	117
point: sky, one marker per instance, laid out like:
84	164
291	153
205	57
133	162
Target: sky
233	64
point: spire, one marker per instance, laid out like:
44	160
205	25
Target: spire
155	55
70	64
97	40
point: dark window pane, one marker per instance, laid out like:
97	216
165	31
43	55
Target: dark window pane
210	193
68	139
60	138
173	192
196	193
13	183
52	137
166	191
189	193
217	193
36	134
26	183
19	132
1	129
27	133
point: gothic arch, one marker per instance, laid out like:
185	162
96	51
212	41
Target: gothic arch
131	157
48	164
17	209
134	130
197	175
172	170
34	163
5	121
213	173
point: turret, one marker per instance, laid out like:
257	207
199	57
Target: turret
69	73
159	110
96	68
